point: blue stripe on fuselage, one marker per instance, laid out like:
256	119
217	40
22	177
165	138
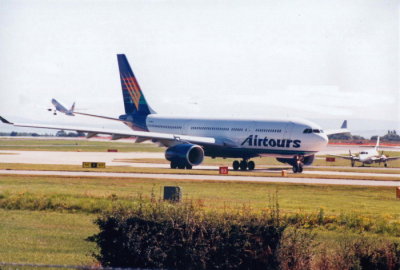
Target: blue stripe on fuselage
219	151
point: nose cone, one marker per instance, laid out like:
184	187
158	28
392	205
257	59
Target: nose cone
363	157
321	141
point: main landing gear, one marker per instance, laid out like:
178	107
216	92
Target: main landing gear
243	165
178	165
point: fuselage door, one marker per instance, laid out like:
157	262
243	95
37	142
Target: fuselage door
185	126
288	130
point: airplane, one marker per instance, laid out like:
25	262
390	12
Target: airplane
368	156
61	108
188	140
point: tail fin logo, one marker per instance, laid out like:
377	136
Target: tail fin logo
131	85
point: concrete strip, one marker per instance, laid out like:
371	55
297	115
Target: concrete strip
210	178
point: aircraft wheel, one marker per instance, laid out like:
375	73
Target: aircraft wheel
385	164
243	165
181	166
251	165
294	169
235	165
189	167
174	165
300	169
352	164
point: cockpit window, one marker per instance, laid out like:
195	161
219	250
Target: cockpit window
364	153
309	130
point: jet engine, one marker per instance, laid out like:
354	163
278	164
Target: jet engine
184	155
308	160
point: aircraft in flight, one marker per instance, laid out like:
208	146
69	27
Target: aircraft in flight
188	140
368	156
61	108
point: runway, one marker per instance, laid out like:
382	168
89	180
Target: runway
76	158
71	158
210	178
119	159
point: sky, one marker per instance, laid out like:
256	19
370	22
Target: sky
321	60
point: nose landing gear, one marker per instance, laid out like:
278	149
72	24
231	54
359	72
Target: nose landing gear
243	165
298	168
298	164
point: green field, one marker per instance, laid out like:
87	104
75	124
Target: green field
93	192
46	219
44	237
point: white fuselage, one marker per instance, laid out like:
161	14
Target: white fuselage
266	137
369	156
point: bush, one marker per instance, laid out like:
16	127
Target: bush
296	249
359	253
363	253
161	235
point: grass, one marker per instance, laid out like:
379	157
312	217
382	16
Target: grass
46	237
75	145
56	234
93	191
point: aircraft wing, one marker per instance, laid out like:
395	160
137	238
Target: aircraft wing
392	158
125	134
345	157
341	130
100	116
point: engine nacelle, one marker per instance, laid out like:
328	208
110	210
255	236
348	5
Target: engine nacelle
308	160
184	154
289	161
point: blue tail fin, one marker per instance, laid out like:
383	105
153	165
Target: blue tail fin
134	100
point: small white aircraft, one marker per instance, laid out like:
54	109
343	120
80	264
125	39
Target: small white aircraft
368	156
188	139
61	108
